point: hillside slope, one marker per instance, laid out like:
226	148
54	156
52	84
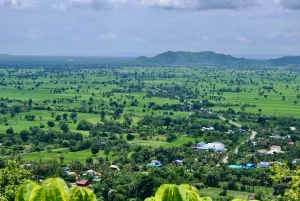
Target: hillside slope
210	58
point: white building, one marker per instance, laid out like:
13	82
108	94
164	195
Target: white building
215	146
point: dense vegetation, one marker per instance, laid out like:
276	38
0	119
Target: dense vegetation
137	128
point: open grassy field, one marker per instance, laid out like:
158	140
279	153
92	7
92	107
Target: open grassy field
68	156
156	92
157	143
214	193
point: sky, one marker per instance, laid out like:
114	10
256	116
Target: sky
129	28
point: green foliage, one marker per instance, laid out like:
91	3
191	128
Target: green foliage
172	192
130	136
81	194
280	176
11	177
54	189
84	125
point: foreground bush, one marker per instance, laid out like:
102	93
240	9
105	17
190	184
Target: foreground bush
172	192
184	192
54	189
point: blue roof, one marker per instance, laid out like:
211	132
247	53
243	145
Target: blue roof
264	165
248	166
200	144
236	166
155	164
277	137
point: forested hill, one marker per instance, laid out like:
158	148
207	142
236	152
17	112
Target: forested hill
209	58
166	59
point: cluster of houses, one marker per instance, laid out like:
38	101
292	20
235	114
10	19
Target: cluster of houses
156	163
240	130
273	149
250	166
214	146
95	175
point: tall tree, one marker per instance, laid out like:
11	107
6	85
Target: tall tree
11	177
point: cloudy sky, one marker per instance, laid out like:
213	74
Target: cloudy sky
147	27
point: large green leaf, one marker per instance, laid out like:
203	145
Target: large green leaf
242	200
25	190
47	193
191	193
191	196
189	188
59	183
81	194
150	199
205	199
170	192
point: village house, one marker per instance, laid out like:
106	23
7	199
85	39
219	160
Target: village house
262	151
83	183
278	137
155	163
92	173
115	167
215	146
273	149
208	129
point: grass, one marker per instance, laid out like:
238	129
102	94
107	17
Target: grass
68	156
19	123
157	143
214	193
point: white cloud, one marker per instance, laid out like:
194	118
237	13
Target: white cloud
166	4
107	37
171	4
21	4
200	4
81	1
139	39
243	39
282	34
179	4
289	4
60	6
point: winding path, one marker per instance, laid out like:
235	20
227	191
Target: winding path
252	137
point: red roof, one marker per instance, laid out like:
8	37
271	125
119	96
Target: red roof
275	147
83	183
262	151
291	143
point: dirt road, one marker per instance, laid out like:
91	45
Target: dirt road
252	137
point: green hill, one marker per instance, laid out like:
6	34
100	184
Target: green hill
209	58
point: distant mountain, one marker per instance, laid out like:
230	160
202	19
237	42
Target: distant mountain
209	58
288	60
